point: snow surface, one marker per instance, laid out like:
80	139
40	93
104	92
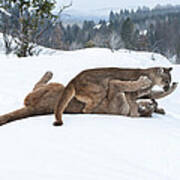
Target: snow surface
86	147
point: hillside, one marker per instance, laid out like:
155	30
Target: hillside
87	147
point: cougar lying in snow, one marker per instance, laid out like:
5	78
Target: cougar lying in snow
42	100
92	86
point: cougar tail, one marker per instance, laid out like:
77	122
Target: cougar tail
16	115
62	103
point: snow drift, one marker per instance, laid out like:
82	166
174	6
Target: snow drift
87	147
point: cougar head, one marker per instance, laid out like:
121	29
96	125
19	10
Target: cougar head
163	77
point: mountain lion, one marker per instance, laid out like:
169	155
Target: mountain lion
42	100
92	86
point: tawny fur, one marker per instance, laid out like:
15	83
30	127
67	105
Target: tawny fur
42	100
92	86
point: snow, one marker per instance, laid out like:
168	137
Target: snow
86	147
143	32
2	10
97	26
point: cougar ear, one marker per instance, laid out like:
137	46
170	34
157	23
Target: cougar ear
170	69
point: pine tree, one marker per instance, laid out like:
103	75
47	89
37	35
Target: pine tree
111	17
178	52
30	16
127	33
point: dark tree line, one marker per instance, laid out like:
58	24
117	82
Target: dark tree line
156	30
24	23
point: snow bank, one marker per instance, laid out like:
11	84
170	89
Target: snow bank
87	147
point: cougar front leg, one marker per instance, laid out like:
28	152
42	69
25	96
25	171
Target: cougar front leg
129	86
130	89
161	94
133	106
157	109
143	93
160	111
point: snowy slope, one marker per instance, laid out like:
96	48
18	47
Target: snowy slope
87	147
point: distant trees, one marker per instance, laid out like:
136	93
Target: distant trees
5	22
26	22
178	52
156	30
32	22
115	41
127	33
29	18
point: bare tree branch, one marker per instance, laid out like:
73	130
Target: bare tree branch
52	23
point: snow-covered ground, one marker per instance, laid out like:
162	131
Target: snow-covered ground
86	147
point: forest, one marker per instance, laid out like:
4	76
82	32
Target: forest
153	30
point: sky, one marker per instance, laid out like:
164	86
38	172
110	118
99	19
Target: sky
102	4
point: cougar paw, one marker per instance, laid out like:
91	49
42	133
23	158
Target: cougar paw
134	114
145	82
57	123
49	74
160	111
175	84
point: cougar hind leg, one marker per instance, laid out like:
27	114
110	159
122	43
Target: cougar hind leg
44	80
118	104
133	106
91	96
160	111
89	103
33	98
157	109
40	88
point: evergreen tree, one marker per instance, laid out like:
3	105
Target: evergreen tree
178	52
111	17
127	33
30	16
